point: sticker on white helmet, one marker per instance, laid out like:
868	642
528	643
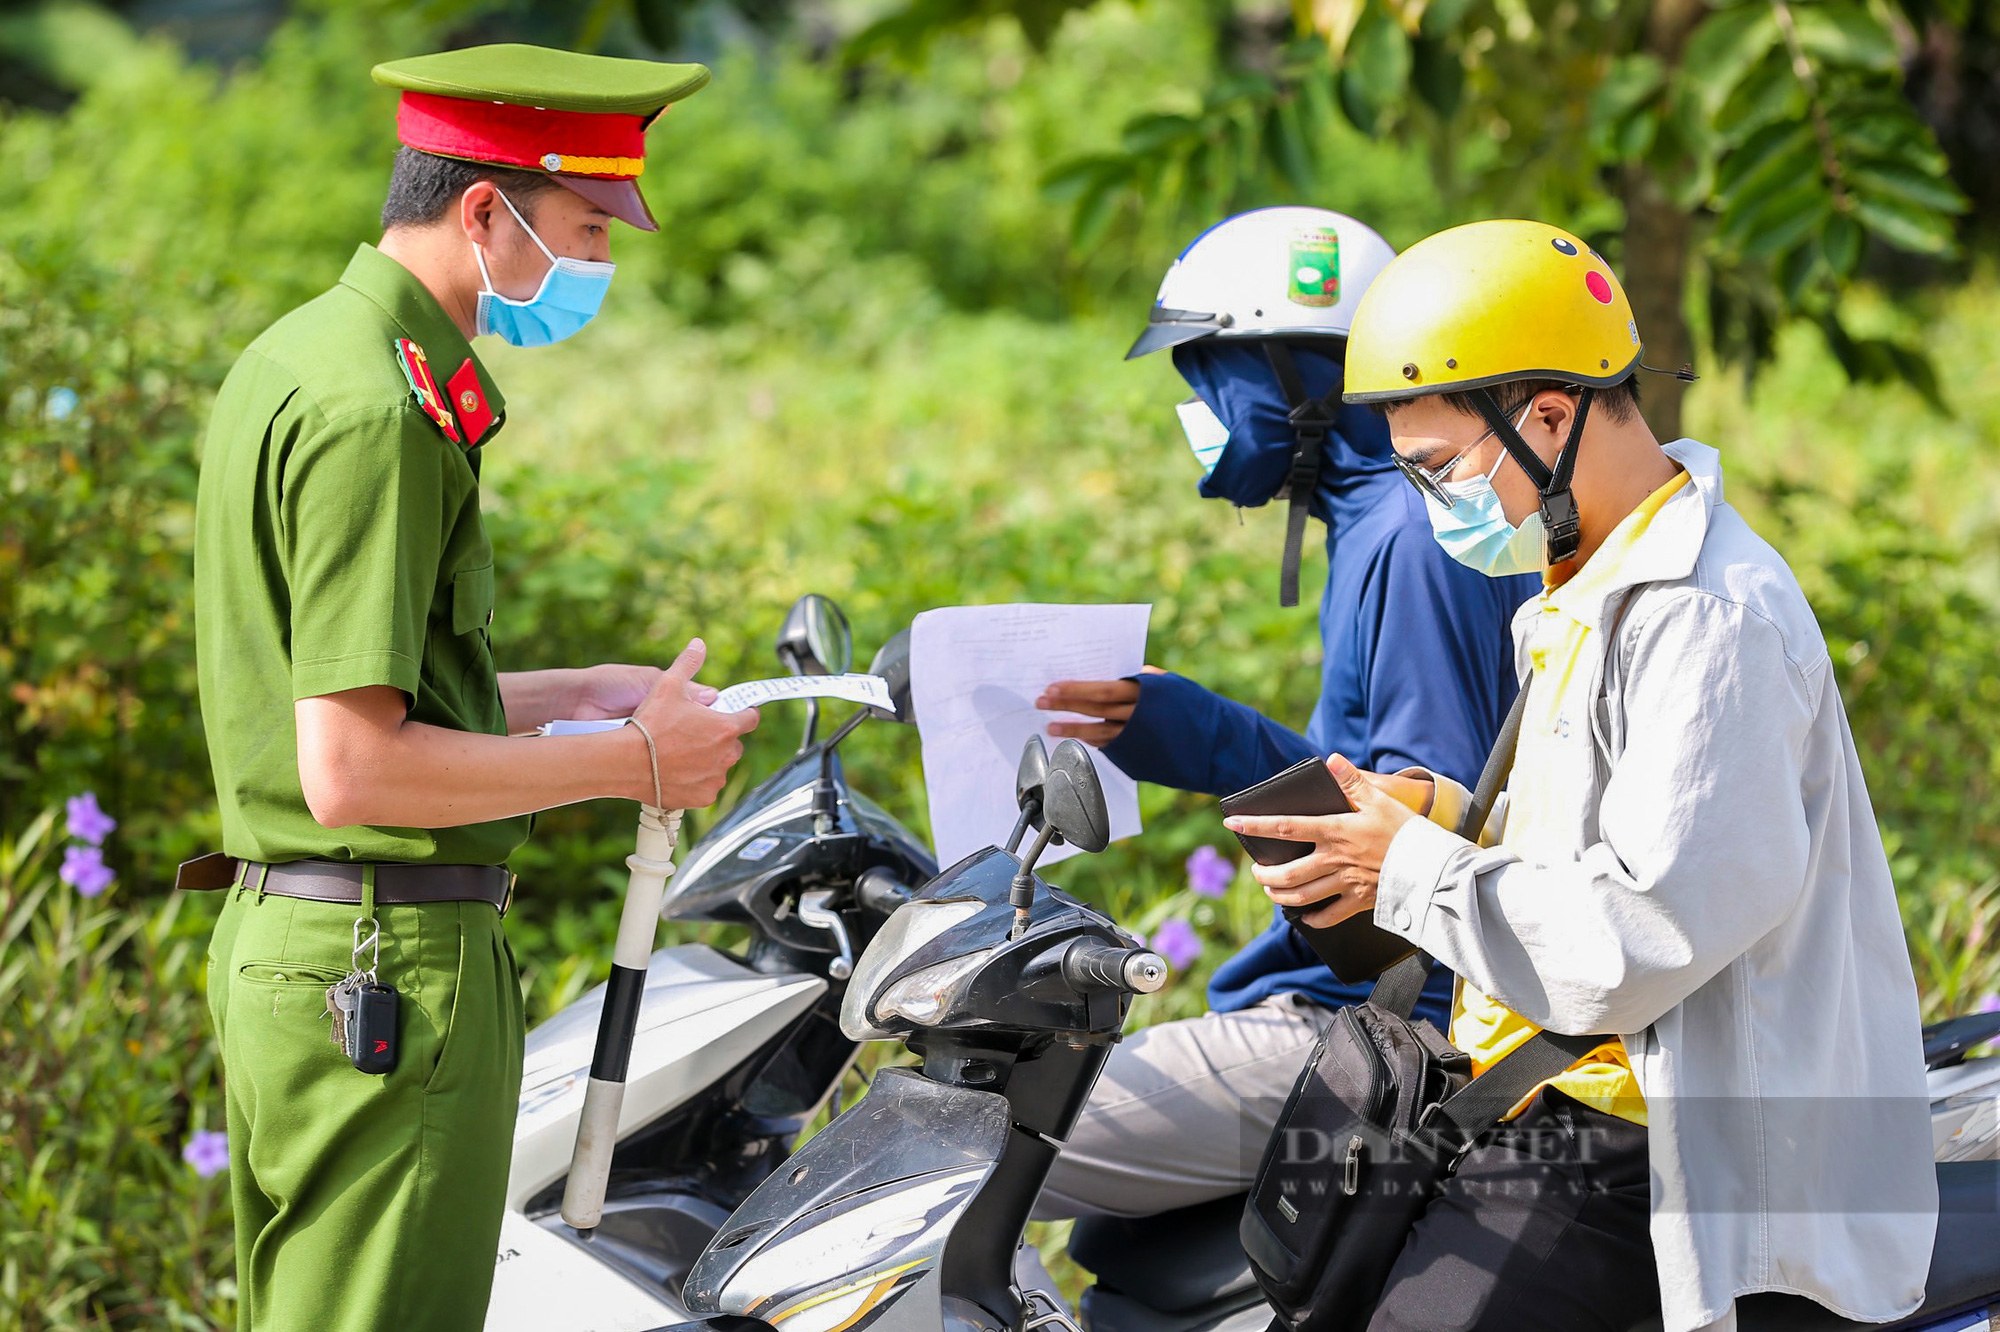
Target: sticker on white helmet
1315	267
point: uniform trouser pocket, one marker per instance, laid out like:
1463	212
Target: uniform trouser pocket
339	1176
287	973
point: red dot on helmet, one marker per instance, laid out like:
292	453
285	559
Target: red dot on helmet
1600	287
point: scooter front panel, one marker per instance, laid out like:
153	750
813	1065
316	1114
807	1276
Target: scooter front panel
857	1220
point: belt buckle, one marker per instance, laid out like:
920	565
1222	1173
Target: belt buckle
507	898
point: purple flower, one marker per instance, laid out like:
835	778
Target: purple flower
83	868
87	822
1209	872
207	1152
1990	1004
1177	942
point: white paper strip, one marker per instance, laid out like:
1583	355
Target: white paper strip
870	689
580	727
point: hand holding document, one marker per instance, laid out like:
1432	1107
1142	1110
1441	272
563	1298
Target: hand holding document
975	672
872	690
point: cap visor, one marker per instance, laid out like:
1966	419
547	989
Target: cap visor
1163	334
620	198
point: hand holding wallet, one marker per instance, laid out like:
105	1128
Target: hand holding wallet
1356	949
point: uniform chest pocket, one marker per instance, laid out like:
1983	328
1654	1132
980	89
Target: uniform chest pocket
472	599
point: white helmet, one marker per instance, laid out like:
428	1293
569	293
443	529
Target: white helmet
1274	272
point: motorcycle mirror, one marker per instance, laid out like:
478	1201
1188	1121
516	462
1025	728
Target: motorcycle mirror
1031	779
815	639
1073	799
892	663
1033	774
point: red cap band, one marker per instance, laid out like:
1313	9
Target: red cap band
607	145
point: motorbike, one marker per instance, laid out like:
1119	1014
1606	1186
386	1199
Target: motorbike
735	1052
906	1210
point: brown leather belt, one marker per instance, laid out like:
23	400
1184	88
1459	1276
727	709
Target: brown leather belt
332	881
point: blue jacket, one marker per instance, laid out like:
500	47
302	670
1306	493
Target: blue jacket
1417	663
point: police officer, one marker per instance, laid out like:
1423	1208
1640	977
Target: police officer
370	761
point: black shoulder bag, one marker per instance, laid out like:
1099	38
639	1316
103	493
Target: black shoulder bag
1376	1122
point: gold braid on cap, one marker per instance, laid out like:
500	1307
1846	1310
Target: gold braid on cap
594	166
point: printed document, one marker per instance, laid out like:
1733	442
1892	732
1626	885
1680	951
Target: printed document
975	672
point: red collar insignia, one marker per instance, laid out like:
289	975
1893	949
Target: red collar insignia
417	369
468	399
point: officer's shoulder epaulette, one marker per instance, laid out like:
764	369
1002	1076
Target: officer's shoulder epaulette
423	385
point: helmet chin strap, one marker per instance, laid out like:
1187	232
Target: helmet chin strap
1312	420
1561	526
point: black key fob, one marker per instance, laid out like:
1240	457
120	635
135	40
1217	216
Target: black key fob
371	1028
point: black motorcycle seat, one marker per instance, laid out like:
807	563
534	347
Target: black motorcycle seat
1965	1264
1174	1262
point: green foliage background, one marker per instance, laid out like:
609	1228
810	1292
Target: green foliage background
863	359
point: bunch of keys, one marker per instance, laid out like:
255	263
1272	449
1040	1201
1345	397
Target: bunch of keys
363	1009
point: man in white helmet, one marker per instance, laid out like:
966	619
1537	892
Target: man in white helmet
1257	311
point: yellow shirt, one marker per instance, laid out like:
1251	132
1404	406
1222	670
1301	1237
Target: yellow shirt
1539	791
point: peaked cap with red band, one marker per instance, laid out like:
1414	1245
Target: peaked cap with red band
581	118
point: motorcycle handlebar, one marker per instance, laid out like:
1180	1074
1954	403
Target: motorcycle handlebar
1089	965
881	891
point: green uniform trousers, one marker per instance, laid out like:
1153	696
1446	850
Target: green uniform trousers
365	1203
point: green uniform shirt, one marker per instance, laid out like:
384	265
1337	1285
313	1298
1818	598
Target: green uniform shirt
338	544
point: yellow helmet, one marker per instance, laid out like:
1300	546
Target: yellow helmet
1487	303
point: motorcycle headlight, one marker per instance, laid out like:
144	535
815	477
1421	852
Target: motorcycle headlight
922	995
913	925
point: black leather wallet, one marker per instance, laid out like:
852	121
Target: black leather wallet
1357	949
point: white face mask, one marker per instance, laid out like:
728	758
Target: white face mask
1206	434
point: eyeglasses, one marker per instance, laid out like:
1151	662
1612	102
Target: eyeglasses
1431	480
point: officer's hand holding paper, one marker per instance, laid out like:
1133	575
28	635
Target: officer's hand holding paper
975	675
872	690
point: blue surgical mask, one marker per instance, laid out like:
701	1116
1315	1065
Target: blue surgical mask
569	297
1475	531
1206	434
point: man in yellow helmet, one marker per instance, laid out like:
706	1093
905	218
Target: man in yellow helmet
1686	861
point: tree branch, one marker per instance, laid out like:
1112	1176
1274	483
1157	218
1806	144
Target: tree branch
1822	129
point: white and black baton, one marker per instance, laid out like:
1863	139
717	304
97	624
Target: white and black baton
651	861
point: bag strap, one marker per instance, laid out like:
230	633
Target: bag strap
1478	1105
1499	763
1399	988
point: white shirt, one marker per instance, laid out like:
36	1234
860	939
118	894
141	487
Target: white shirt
1727	910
